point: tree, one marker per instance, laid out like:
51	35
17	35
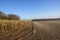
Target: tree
9	16
2	15
13	17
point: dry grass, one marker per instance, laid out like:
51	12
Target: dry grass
15	29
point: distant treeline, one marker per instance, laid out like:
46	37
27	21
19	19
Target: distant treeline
9	16
46	19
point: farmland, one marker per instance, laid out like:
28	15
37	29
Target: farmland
15	30
29	30
47	30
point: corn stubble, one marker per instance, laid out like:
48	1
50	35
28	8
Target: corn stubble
15	30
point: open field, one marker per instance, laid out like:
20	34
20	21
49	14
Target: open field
47	30
15	30
29	30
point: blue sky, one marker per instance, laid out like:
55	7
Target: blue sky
31	9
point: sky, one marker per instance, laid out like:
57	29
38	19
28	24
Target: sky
31	9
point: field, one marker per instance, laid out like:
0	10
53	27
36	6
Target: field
47	30
15	30
29	30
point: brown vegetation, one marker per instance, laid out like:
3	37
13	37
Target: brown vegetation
14	30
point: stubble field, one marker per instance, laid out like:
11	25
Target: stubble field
47	30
